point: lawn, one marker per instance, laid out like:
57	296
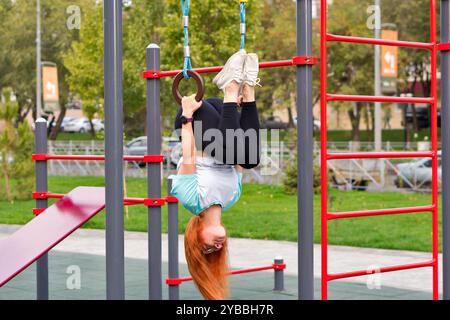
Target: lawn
394	135
265	212
66	136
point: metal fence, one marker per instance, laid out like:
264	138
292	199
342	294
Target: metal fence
274	160
366	174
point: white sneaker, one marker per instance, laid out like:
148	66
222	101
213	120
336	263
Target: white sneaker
251	70
232	71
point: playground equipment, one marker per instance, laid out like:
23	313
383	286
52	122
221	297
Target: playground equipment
326	97
52	225
303	62
47	230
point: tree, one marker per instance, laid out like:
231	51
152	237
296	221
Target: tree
18	53
414	64
84	61
278	22
16	146
214	37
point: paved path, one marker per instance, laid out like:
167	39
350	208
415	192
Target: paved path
247	253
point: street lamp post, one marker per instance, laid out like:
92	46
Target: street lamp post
377	115
38	61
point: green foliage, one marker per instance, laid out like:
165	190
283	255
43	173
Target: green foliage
214	37
16	144
18	46
85	63
85	60
290	180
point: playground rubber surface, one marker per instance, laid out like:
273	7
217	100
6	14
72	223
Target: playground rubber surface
83	252
257	286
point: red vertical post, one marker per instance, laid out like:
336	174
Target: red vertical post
323	146
434	146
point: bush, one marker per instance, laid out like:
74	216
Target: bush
16	147
291	178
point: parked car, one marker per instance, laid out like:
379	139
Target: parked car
65	121
274	122
422	115
82	125
417	172
137	147
171	148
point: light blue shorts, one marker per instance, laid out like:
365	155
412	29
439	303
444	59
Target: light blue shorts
213	184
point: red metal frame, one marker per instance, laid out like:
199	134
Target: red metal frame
396	43
343	97
444	47
146	159
380	155
127	201
179	281
327	216
153	74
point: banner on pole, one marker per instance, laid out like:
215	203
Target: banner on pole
50	87
389	63
389	55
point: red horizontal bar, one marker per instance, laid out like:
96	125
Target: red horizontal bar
127	201
47	195
236	272
380	155
382	42
171	199
360	273
370	213
147	159
152	74
444	46
343	97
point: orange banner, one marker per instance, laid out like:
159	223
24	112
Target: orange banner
50	83
389	55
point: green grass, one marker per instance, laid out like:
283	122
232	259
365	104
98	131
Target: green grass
395	135
265	212
66	136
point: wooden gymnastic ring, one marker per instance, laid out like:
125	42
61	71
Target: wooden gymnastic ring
200	86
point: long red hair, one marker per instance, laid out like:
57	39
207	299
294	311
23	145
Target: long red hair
209	272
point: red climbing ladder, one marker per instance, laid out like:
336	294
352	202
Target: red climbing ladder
432	46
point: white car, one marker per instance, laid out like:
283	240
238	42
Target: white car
418	173
82	125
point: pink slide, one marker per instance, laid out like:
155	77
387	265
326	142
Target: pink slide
36	238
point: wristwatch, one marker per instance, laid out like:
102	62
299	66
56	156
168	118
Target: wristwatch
185	120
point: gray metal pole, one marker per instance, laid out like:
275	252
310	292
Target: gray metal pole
445	134
38	61
154	175
174	290
305	154
279	275
41	186
115	264
377	114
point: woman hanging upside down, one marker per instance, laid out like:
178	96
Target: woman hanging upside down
218	142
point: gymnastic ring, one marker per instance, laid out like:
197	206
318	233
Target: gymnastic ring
200	86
